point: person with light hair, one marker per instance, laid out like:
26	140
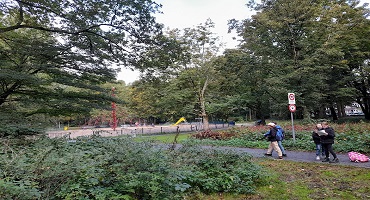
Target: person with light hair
271	136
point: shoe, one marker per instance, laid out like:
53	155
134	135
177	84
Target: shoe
326	160
335	160
318	158
266	154
284	155
280	157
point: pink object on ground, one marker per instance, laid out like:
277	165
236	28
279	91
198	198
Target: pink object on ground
357	157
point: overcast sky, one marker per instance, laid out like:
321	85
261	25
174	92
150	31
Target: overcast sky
189	13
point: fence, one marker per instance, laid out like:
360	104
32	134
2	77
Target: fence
134	131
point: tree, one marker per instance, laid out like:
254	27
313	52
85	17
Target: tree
294	37
55	54
245	84
202	48
189	60
346	52
105	116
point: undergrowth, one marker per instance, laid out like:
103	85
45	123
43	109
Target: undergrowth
120	168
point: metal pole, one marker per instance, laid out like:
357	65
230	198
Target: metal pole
291	116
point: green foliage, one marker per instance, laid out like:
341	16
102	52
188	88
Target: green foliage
222	171
55	55
119	168
319	46
18	189
17	131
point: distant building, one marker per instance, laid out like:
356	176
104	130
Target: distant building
353	110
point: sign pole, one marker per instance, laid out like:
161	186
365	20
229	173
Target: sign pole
291	116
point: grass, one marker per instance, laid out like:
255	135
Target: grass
166	138
317	181
295	180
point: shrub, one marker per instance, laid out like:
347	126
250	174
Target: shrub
18	130
119	168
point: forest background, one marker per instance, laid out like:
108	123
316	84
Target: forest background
56	64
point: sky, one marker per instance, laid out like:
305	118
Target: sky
190	13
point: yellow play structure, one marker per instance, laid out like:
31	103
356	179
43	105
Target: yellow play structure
179	121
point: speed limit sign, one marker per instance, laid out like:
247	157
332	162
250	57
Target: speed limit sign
292	108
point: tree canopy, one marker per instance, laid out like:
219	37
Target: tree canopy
56	54
313	48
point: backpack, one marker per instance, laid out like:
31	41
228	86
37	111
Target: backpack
280	133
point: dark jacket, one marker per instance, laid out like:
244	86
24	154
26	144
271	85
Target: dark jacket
272	136
316	138
328	139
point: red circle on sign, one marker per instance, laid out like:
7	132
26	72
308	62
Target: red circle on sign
292	108
291	96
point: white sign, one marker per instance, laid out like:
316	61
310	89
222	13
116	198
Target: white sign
291	98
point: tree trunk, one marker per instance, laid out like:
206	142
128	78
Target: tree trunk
203	106
365	106
341	111
306	113
322	113
333	113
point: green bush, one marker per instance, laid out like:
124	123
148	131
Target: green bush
18	130
119	168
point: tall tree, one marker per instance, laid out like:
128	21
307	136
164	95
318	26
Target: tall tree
293	37
345	52
244	83
55	54
202	47
189	61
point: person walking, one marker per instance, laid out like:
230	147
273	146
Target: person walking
327	136
316	140
271	136
280	138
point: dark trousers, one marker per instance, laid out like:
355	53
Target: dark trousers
328	148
